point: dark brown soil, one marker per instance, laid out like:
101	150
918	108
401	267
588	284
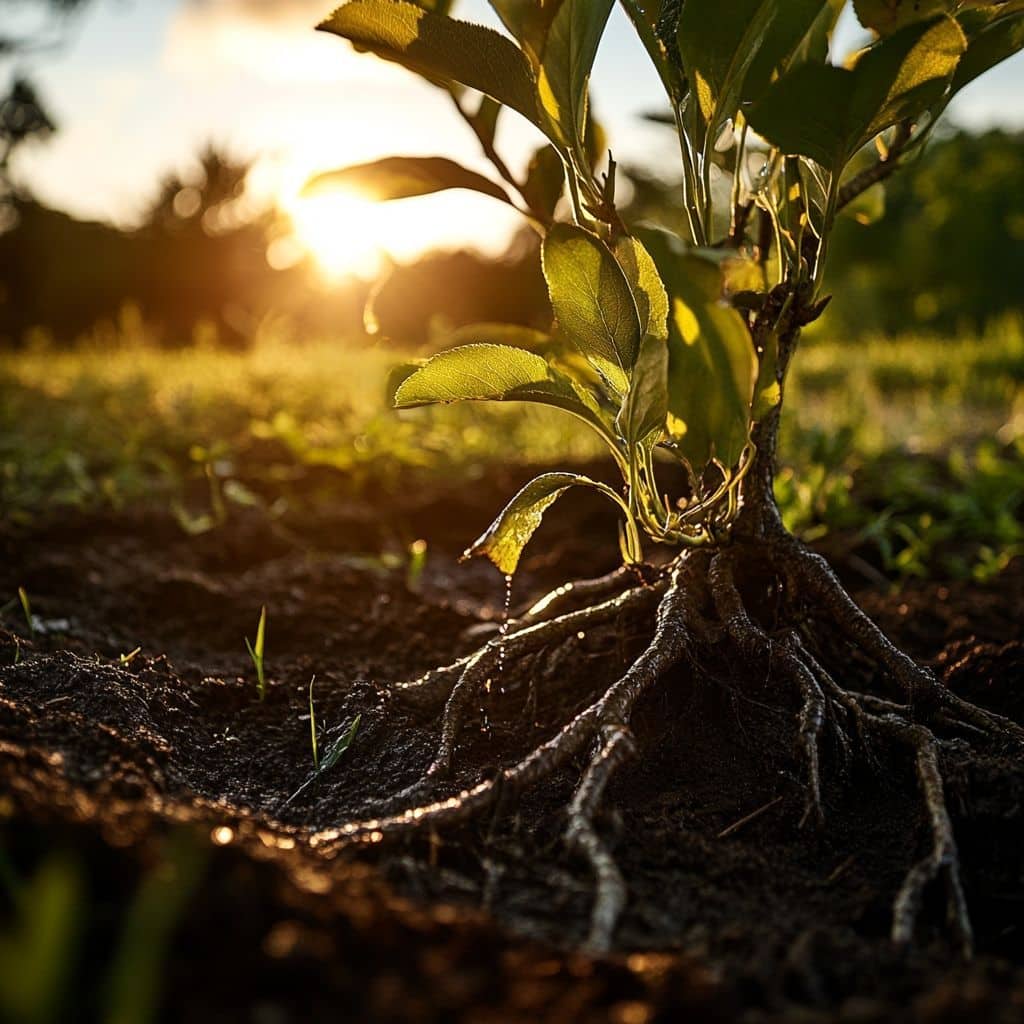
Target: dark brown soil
101	761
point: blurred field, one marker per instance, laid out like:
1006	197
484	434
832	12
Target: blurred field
914	442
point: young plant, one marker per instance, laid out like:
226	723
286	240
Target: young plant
676	347
256	652
26	607
334	752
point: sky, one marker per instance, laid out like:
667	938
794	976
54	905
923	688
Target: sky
141	85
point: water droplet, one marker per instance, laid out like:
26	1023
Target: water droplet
503	628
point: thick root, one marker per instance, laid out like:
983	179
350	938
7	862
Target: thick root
702	617
919	686
608	718
754	643
610	895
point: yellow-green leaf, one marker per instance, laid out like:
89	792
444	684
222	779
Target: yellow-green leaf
439	48
495	373
648	290
570	47
505	538
886	16
402	177
593	302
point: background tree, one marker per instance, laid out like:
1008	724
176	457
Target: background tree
23	115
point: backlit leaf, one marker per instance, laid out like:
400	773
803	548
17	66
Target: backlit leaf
593	302
646	285
495	373
570	47
790	26
505	538
712	363
439	48
905	74
988	44
545	181
887	16
646	404
401	177
718	48
827	113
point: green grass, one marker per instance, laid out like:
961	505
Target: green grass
107	426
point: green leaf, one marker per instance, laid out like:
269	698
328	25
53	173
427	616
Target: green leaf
718	50
790	28
644	282
817	44
485	120
397	374
987	46
545	181
646	403
593	302
333	755
905	74
570	47
528	22
402	177
504	540
887	16
806	111
439	48
827	113
495	373
712	363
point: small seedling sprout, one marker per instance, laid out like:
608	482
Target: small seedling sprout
339	748
127	659
312	726
26	607
256	652
332	756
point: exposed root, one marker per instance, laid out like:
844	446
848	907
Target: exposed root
879	716
438	686
943	858
754	643
610	895
920	687
608	717
579	592
704	617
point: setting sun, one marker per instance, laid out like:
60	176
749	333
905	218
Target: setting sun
342	232
346	233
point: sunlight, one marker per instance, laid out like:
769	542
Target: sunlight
346	233
342	232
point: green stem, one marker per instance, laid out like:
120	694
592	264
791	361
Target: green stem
690	198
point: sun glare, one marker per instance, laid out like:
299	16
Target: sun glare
346	233
341	231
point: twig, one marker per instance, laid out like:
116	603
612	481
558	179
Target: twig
737	825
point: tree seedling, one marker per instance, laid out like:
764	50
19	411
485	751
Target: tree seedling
673	344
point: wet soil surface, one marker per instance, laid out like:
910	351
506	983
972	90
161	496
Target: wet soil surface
163	769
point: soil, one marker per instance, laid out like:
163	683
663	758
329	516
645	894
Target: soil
108	761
